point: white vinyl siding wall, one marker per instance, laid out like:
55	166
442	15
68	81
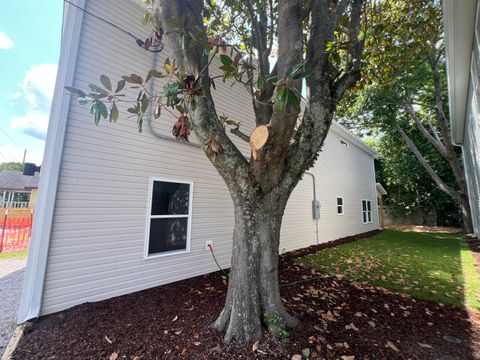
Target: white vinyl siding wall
471	136
98	235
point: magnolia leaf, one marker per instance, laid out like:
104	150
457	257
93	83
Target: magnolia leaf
157	112
226	60
75	91
97	89
114	113
120	86
227	68
102	108
106	82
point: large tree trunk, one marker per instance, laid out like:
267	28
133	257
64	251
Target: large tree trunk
464	205
253	297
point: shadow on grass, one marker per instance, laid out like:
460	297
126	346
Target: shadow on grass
437	267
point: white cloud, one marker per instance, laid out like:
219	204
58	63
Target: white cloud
5	42
9	152
34	123
36	94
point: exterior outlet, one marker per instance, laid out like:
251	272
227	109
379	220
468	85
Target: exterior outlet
207	244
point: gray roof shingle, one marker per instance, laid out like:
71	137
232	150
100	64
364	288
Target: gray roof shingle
15	180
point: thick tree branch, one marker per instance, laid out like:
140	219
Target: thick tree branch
236	131
426	134
433	129
191	59
421	159
440	115
260	35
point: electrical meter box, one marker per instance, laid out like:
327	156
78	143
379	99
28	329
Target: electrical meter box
316	209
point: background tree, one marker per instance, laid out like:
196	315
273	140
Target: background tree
319	42
409	186
404	90
16	166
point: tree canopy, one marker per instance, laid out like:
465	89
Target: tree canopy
402	97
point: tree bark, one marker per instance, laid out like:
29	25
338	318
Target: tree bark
253	297
261	187
459	196
465	209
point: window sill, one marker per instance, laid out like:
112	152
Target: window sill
164	254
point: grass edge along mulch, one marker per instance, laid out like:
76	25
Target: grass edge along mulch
429	266
338	319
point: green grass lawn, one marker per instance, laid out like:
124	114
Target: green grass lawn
13	254
428	266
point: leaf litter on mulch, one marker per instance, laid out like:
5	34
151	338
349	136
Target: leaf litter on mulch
339	319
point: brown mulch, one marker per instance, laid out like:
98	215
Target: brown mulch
339	319
426	228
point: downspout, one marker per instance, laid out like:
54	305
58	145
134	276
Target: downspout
149	116
314	201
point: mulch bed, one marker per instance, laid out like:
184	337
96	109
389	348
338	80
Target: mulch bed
339	319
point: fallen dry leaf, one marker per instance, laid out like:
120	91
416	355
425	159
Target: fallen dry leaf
114	356
108	340
351	326
423	345
175	319
255	346
348	357
296	357
392	346
371	323
328	316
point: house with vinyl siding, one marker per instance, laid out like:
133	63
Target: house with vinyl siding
462	40
123	211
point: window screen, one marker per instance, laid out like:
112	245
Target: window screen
339	205
169	219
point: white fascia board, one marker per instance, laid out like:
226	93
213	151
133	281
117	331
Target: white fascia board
347	135
459	21
31	300
380	189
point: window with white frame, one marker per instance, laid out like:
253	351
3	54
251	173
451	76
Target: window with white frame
169	220
339	206
367	211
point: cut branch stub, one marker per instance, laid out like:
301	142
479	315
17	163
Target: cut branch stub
258	139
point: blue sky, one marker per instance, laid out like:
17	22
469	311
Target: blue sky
30	33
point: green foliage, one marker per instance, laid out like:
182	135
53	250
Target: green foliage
15	166
429	266
275	321
403	37
408	186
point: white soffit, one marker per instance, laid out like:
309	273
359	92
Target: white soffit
459	21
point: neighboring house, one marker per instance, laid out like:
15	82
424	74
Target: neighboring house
106	191
462	37
18	190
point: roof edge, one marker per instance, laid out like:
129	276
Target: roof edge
459	21
342	131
